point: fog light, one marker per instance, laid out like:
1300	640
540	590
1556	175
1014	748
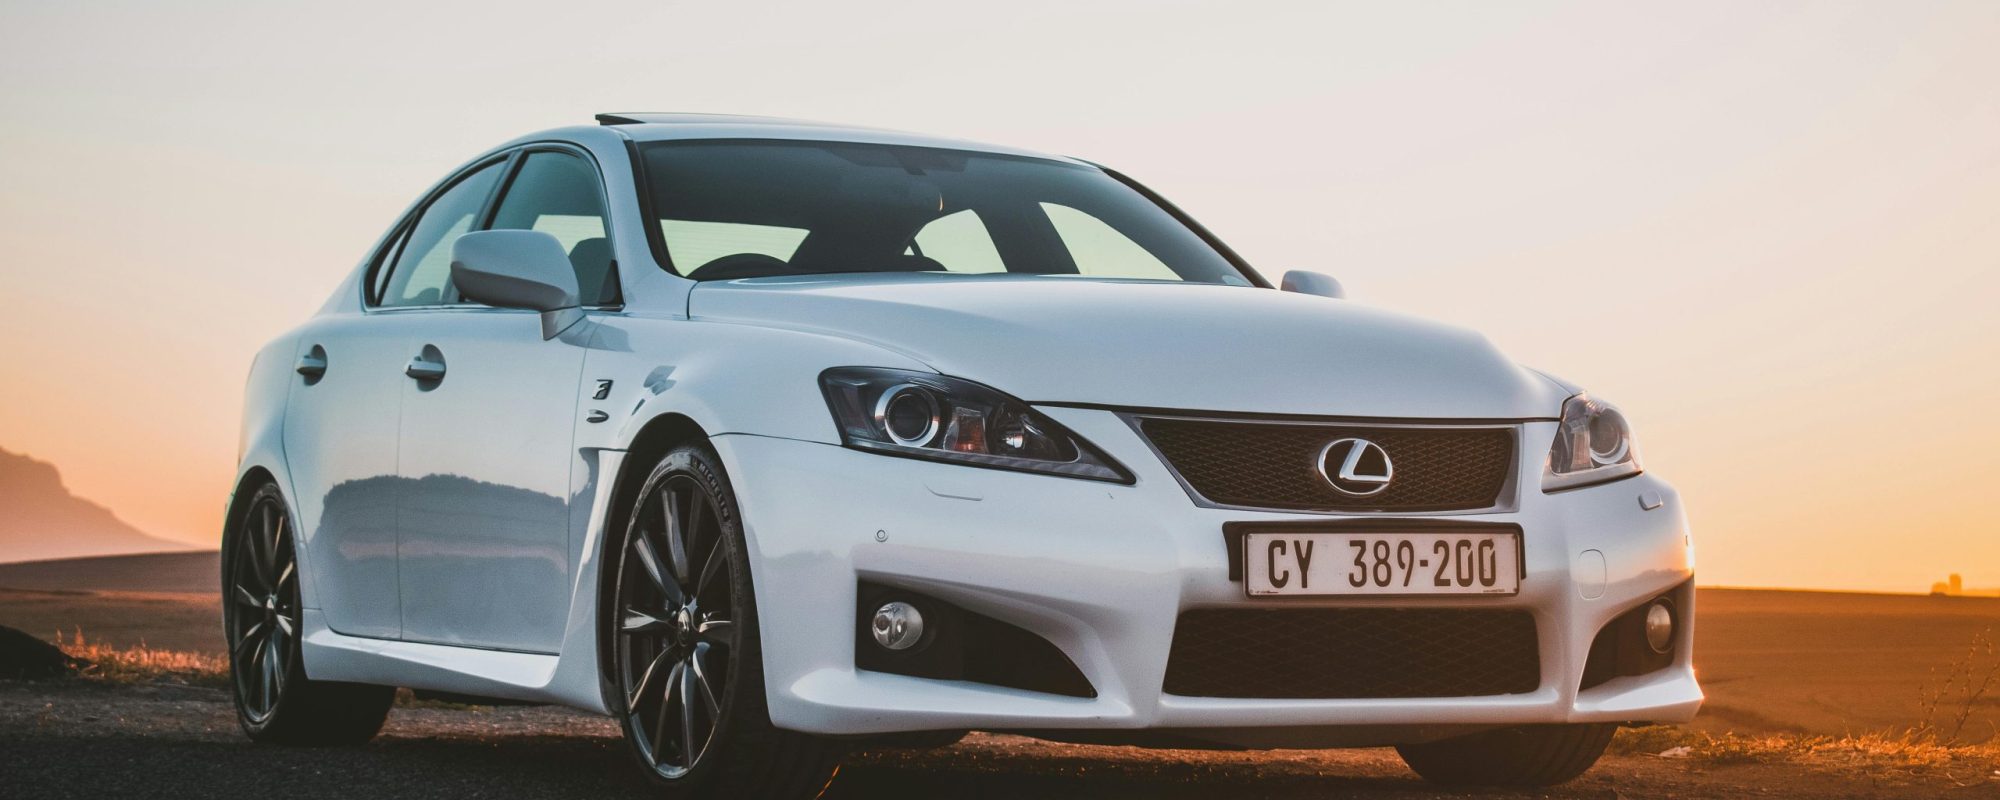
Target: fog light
1659	626
898	626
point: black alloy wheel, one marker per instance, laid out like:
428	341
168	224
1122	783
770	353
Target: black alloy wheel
676	626
263	622
263	608
683	649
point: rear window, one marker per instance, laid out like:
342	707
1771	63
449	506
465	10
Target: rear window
741	209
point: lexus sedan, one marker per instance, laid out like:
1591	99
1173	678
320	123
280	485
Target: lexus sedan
774	439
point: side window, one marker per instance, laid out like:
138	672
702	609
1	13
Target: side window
559	194
385	263
959	242
1101	250
423	268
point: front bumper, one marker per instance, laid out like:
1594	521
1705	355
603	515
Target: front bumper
1103	571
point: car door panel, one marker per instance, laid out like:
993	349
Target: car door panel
340	444
485	457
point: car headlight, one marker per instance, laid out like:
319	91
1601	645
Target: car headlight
925	415
1593	445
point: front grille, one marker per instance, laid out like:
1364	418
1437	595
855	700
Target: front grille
1345	653
1275	465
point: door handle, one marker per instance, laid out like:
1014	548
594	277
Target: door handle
313	364
427	365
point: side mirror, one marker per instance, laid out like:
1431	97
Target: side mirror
518	269
1304	282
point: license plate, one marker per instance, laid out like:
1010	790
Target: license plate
1308	564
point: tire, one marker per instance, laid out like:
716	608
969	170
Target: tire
275	702
1535	755
686	663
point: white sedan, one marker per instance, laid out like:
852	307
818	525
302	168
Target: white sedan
773	439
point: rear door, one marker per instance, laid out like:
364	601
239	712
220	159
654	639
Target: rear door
340	443
341	421
485	448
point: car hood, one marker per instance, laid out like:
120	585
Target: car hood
1068	340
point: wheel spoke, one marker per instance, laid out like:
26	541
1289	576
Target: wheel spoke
697	513
268	539
646	679
661	714
271	670
717	631
251	569
255	674
285	625
689	746
279	536
281	647
649	562
698	521
637	621
710	570
704	689
677	536
249	640
247	598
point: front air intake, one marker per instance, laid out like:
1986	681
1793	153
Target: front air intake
1351	653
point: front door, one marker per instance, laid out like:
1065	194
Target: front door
486	449
488	416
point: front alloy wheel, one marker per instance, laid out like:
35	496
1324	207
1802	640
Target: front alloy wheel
675	632
685	656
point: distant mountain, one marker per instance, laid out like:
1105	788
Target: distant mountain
40	519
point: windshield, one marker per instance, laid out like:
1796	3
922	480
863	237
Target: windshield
743	209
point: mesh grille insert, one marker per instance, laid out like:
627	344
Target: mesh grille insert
1275	465
1347	653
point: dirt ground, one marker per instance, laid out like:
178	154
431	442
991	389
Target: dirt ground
1772	662
86	739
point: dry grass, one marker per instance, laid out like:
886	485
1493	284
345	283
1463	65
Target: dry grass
1906	751
1950	701
1933	744
144	664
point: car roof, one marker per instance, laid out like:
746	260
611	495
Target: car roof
667	126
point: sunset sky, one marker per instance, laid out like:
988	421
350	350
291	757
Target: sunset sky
1769	231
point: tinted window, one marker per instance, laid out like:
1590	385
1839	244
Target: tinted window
702	242
558	194
747	209
1099	249
959	243
422	275
378	280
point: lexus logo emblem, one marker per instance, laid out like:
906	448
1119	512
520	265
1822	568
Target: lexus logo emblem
1356	467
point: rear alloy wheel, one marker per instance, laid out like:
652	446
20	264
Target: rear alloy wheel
1533	755
275	701
684	646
